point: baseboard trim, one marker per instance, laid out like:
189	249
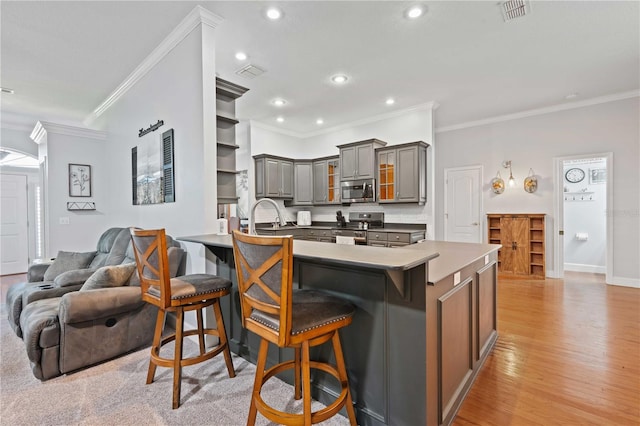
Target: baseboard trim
625	282
578	267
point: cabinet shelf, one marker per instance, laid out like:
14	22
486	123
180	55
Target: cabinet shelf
226	120
234	172
227	145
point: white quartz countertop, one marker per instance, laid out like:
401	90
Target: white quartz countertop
391	259
453	256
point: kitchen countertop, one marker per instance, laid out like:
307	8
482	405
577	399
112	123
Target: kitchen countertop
453	256
396	259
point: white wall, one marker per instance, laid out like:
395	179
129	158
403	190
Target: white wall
406	126
173	91
533	142
585	206
84	227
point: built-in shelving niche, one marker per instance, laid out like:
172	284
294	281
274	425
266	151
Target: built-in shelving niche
226	95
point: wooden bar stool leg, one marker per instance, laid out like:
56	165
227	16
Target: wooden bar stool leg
222	336
296	379
155	346
306	384
257	384
344	380
177	358
200	330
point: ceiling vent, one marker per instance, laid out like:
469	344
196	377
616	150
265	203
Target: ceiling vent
250	71
513	9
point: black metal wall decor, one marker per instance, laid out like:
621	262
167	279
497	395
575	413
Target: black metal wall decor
151	128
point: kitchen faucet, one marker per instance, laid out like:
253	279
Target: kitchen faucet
252	215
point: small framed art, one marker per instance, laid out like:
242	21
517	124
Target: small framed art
79	180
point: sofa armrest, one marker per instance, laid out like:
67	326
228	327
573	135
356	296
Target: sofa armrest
92	304
35	272
73	277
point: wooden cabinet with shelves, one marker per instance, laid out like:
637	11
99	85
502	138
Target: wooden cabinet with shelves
226	95
402	173
357	159
523	243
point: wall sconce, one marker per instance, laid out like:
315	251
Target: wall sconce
507	165
531	182
497	184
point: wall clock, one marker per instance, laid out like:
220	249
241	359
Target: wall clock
574	175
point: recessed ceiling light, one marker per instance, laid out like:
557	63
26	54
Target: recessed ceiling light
278	102
319	121
390	101
414	12
7	90
280	119
339	79
241	56
274	13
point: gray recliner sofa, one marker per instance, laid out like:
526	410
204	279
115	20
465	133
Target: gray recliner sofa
67	332
110	250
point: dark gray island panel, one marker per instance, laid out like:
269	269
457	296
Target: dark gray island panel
419	336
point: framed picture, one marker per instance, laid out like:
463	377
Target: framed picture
79	180
597	175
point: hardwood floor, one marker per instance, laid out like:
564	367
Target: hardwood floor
568	353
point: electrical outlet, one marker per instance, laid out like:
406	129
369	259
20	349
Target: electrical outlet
64	221
456	278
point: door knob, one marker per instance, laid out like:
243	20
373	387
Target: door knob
475	224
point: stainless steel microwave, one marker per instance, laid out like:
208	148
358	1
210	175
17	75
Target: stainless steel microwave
358	191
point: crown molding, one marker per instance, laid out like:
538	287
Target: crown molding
541	111
199	15
429	106
43	128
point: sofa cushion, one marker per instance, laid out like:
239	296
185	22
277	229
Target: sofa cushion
67	261
109	276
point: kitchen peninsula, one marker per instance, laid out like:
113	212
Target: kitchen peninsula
424	325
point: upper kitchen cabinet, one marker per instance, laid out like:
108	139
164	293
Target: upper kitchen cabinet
303	183
226	95
357	159
326	180
274	176
402	173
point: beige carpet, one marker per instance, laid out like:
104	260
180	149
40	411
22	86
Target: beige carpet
114	393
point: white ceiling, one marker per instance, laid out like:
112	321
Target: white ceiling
63	59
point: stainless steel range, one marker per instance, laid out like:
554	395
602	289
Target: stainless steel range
358	224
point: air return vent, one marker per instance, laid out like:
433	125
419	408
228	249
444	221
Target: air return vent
250	71
513	9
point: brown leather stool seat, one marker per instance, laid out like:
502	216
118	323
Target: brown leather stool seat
181	294
299	319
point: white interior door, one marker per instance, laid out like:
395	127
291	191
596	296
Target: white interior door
14	251
463	212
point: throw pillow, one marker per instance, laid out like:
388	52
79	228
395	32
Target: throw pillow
68	261
109	276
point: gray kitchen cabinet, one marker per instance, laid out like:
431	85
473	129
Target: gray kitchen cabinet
274	176
357	159
326	180
395	238
226	95
303	185
402	173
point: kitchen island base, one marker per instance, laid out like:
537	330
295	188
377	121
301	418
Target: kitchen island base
399	349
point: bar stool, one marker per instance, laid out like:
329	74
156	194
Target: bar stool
299	319
186	293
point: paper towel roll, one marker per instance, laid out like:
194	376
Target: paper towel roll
582	236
